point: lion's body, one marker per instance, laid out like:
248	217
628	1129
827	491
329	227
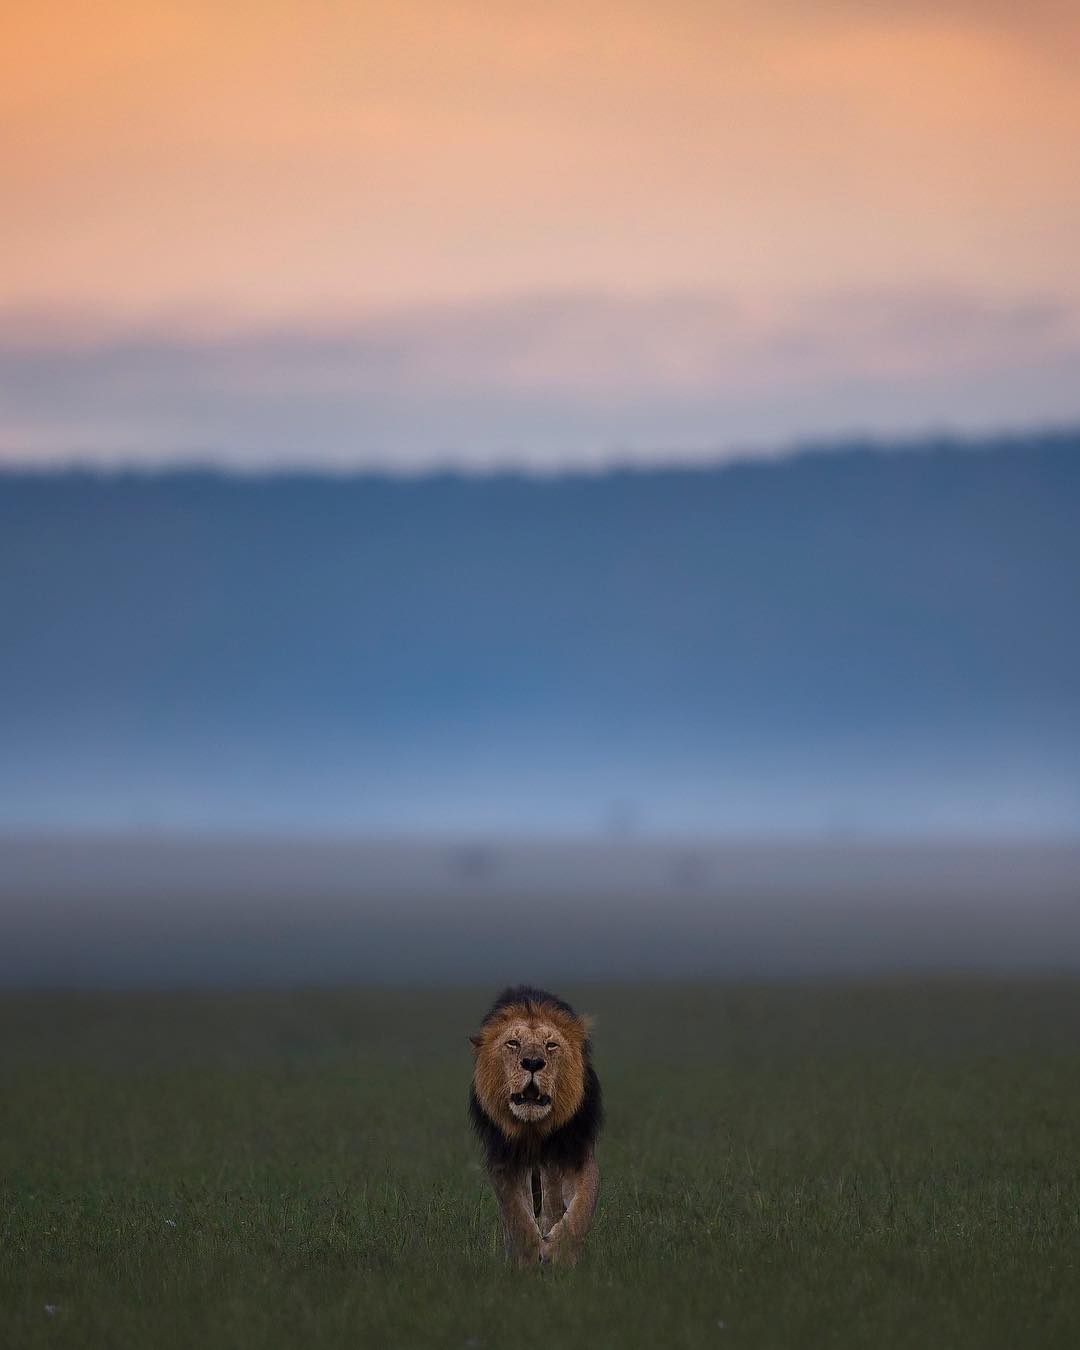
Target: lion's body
536	1108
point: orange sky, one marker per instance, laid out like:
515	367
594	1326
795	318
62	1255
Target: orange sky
302	157
401	233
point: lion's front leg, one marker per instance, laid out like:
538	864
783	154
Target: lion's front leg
552	1204
513	1190
563	1242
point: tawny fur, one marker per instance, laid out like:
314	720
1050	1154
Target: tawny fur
536	1107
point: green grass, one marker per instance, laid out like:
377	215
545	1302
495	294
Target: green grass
893	1165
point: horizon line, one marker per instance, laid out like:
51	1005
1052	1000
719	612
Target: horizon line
1050	435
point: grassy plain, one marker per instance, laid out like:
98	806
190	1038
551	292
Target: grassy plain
806	1166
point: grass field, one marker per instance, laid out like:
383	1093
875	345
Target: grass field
877	1165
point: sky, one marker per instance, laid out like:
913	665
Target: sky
407	234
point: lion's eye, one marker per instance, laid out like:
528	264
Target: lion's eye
552	1045
513	1045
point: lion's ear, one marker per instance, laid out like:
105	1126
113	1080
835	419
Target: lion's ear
476	1042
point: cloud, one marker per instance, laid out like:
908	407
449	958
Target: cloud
540	380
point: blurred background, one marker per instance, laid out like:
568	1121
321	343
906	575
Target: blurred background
531	493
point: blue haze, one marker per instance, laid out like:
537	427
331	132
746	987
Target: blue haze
845	641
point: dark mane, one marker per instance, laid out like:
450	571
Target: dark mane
568	1146
529	995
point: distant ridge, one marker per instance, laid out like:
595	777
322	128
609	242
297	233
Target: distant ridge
834	641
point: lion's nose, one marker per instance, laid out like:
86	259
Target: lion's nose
533	1064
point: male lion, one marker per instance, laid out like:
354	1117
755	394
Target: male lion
535	1106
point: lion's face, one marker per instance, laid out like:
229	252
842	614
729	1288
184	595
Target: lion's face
530	1067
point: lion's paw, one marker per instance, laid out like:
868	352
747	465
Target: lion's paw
557	1249
528	1250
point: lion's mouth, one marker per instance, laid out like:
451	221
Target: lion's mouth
530	1096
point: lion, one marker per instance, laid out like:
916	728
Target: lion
535	1106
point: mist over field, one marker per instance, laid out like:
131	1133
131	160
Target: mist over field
125	912
813	717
